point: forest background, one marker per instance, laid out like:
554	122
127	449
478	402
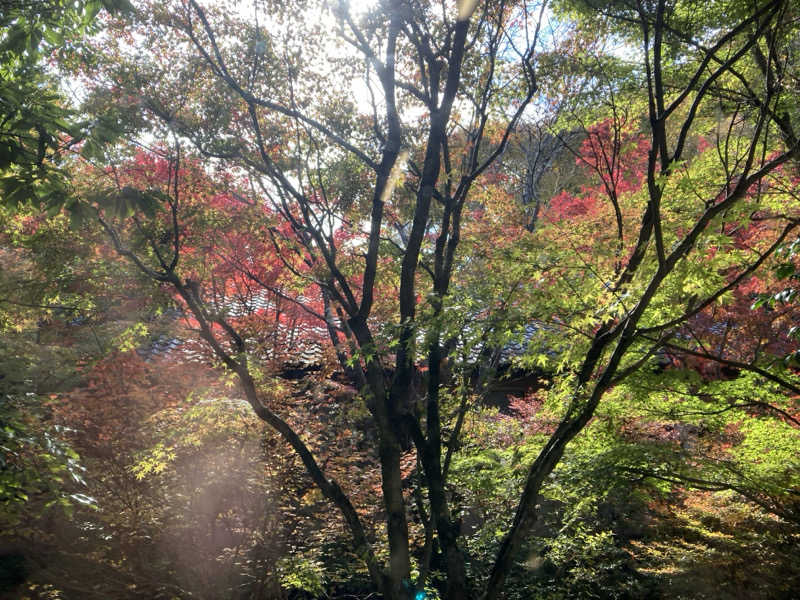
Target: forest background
425	300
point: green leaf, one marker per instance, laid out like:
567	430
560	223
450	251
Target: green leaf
92	9
53	37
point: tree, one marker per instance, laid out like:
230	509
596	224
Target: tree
640	323
36	124
309	214
337	217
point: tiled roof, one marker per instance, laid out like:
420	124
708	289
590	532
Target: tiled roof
303	343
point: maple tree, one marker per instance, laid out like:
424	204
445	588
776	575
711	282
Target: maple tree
37	126
386	241
315	242
617	345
